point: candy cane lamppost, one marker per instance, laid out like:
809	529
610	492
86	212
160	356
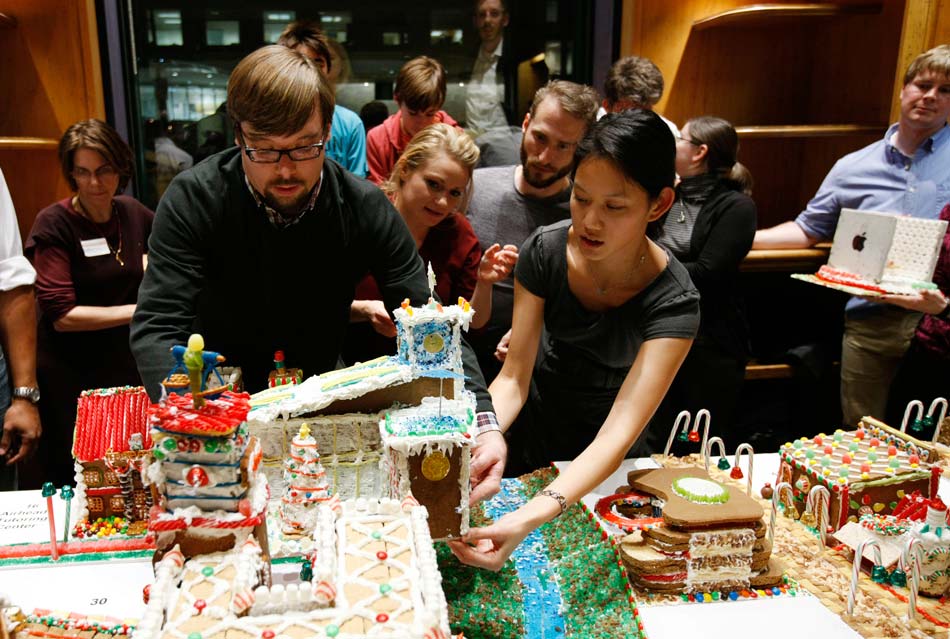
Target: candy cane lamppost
737	471
783	487
913	558
915	406
856	569
937	421
683	418
66	494
707	453
48	491
817	504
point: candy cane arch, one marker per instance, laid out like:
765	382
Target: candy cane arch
703	413
707	452
776	498
913	557
942	403
856	569
747	448
818	503
910	406
683	418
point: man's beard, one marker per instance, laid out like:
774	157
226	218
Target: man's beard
287	210
535	180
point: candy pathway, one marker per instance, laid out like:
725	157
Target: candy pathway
541	592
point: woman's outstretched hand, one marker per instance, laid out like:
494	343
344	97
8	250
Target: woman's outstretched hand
491	546
497	263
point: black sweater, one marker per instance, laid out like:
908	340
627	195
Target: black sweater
721	239
217	266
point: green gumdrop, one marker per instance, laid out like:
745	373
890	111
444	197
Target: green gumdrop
879	575
169	444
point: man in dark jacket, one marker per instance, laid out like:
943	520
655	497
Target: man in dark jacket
260	247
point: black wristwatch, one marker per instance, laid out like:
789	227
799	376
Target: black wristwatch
29	393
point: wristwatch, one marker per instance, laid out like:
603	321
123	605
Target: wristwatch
29	393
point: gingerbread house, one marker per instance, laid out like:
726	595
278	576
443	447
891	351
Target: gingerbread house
111	444
346	412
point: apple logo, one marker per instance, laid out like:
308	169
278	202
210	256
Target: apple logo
858	242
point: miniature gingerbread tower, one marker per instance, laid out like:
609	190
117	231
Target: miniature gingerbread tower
307	485
208	490
430	337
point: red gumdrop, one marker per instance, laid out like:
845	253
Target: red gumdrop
244	507
818	440
694	436
914	459
197	476
865	467
829	450
859	435
381	555
866	500
846	459
875	442
382	617
736	473
891	450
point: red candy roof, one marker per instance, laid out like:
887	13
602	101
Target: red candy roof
217	418
106	418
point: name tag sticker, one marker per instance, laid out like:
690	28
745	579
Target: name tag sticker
95	248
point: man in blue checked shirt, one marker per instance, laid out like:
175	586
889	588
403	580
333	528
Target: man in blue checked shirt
907	172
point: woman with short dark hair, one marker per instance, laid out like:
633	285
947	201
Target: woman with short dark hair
613	315
89	254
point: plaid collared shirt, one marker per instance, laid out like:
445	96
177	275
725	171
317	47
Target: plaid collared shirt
276	218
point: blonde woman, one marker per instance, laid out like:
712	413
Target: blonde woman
430	186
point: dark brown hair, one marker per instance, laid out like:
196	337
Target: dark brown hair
635	79
97	136
275	90
309	34
722	144
420	84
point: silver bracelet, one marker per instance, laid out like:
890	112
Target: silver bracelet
556	496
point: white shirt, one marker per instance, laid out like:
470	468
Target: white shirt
484	95
15	270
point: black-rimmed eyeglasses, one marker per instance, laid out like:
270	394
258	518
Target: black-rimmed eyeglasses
272	156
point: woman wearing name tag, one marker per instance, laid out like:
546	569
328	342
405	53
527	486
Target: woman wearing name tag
88	251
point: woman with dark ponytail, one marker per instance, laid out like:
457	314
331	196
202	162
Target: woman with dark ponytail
709	229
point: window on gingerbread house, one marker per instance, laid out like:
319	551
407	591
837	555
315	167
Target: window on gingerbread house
116	504
95	506
92	477
111	479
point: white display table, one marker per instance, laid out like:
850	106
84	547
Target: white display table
114	588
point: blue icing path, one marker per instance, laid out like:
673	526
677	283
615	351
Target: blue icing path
542	597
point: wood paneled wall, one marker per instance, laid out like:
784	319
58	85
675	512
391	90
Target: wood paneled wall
49	78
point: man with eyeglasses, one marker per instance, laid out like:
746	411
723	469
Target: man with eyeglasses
260	247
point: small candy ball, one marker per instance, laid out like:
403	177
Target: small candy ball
872	455
766	492
839	435
914	459
244	507
865	467
860	434
829	450
818	440
891	450
846	459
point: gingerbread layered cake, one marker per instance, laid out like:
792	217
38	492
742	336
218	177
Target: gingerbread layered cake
712	537
865	471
